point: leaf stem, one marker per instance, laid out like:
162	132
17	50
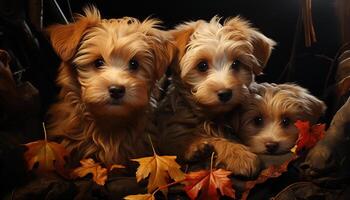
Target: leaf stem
45	131
149	137
211	161
168	185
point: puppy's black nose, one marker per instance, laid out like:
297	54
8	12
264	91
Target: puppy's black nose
225	95
116	92
271	147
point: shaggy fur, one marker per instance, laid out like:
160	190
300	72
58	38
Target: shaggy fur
212	58
267	121
98	54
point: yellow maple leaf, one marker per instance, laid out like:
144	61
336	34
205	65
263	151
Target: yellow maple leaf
140	197
160	170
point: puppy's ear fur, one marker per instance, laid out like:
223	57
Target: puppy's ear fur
262	45
182	34
162	46
262	49
66	38
313	107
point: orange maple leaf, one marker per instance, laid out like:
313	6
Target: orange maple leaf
308	136
49	156
208	181
99	173
140	197
159	169
272	171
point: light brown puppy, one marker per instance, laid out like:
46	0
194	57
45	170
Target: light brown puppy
267	121
108	72
216	63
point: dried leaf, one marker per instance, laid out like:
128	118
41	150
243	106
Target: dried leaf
272	171
308	137
159	169
49	155
99	173
140	197
208	181
116	167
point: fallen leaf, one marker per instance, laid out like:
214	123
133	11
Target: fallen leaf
99	174
272	171
308	136
140	197
208	181
160	170
49	155
116	167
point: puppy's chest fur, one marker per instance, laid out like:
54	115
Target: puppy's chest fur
181	122
109	141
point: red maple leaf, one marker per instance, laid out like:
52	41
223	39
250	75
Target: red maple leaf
208	181
308	136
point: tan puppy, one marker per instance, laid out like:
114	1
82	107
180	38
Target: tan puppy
214	67
108	72
267	121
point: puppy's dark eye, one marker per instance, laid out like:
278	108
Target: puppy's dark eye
99	62
202	66
133	64
236	65
286	121
258	121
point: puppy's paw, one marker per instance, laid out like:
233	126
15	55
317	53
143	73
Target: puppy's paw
198	152
238	159
319	159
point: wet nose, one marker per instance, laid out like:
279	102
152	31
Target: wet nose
271	147
116	92
225	95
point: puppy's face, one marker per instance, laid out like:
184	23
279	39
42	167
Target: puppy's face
217	61
267	124
117	62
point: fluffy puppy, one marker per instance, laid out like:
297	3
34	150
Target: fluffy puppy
267	121
108	72
215	64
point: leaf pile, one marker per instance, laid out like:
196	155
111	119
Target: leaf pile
163	171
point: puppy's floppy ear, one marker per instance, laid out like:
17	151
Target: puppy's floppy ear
181	36
66	38
262	45
312	106
163	49
262	49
